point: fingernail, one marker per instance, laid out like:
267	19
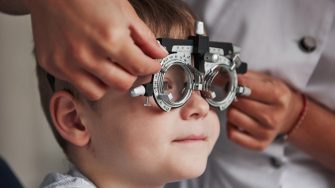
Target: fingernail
162	47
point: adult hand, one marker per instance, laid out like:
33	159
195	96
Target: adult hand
271	109
93	44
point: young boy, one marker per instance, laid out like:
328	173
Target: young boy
116	141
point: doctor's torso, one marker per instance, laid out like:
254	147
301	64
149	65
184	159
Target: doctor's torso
290	39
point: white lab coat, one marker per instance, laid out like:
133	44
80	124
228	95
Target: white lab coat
268	32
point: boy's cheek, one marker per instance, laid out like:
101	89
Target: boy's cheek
214	125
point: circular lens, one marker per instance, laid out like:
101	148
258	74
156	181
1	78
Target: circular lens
172	86
220	86
175	83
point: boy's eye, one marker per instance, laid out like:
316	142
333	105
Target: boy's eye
175	82
167	85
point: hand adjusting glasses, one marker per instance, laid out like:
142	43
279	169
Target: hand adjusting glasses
214	74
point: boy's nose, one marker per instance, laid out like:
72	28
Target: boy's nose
195	108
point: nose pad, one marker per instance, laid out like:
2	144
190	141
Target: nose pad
195	108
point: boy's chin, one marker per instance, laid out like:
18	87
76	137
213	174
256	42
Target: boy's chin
189	170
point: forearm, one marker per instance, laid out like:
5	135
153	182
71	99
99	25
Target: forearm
316	134
14	7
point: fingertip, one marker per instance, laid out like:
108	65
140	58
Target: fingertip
146	41
230	131
243	139
163	52
242	79
156	66
153	49
144	66
125	85
152	68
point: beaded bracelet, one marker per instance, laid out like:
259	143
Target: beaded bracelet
300	118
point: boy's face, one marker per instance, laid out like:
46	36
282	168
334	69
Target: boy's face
137	142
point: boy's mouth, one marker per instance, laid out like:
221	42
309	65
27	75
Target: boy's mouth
190	138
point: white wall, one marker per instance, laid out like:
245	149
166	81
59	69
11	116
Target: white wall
25	139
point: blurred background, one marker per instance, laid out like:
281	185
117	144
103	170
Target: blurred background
26	142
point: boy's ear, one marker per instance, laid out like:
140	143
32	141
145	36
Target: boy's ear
64	111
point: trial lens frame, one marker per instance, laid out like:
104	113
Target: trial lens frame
207	56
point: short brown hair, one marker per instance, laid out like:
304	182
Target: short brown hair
166	19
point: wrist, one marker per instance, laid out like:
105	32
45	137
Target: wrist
299	118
